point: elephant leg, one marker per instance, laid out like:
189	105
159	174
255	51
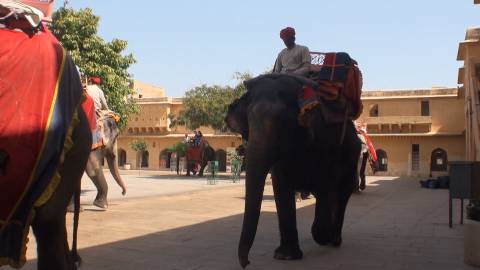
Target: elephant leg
204	164
289	248
362	171
52	246
49	222
95	173
322	227
188	168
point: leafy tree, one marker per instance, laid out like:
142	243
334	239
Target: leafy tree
77	31
207	105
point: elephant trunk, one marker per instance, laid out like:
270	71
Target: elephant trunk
257	169
113	166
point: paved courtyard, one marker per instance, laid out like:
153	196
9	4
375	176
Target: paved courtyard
176	223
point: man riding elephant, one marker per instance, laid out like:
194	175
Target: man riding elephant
104	144
198	154
294	59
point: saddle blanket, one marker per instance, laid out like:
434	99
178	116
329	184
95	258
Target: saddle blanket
40	92
339	87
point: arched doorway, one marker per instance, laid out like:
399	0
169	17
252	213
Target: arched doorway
221	156
144	160
382	160
439	160
165	159
122	157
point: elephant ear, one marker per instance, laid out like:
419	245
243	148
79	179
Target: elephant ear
237	115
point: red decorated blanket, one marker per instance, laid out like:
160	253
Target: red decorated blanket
40	92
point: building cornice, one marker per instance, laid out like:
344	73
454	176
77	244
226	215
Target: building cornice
430	134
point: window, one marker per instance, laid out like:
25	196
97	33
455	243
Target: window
415	157
373	110
425	108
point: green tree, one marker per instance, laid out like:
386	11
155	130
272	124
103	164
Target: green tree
179	148
77	31
207	105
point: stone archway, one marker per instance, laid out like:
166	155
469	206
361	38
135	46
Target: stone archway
144	159
122	157
382	160
165	159
221	156
439	160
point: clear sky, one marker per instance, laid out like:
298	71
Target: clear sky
182	44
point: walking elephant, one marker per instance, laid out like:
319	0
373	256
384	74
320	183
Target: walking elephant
45	142
108	151
199	155
319	156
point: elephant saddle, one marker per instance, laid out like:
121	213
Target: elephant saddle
195	151
40	91
339	87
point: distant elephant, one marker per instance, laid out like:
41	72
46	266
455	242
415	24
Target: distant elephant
199	155
320	157
367	154
43	83
94	168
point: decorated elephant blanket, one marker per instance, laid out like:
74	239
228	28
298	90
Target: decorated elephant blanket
40	92
339	86
195	152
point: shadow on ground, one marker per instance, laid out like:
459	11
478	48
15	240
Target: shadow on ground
392	225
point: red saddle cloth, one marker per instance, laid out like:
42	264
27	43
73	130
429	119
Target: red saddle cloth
40	92
195	152
339	80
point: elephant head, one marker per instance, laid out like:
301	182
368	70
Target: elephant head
267	115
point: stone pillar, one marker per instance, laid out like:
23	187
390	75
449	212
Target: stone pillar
472	242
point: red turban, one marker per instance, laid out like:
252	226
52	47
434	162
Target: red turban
95	80
287	32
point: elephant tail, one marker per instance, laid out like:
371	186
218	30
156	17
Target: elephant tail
76	216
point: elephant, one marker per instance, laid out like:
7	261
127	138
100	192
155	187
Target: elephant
47	74
207	153
319	156
367	155
94	167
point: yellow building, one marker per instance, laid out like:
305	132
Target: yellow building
152	126
409	129
415	131
469	77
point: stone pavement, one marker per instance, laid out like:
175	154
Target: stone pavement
393	225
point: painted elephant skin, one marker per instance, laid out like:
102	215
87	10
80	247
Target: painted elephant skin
208	154
94	168
320	158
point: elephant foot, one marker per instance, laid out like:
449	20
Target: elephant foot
288	253
336	242
325	240
100	203
305	195
362	186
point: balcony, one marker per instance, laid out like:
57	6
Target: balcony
398	124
